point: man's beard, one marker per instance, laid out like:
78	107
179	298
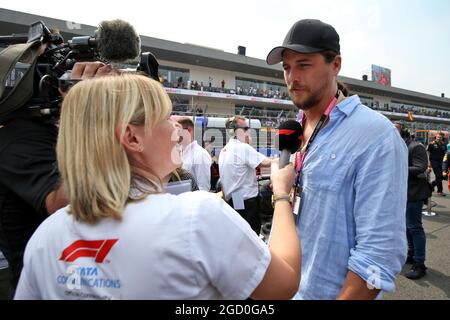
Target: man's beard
311	101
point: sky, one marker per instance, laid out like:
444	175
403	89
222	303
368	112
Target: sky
410	37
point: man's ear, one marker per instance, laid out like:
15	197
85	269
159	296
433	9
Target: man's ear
337	64
132	139
191	132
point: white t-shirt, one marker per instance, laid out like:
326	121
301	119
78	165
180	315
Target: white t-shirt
190	246
197	161
237	164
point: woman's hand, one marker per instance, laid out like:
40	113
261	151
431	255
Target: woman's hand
282	180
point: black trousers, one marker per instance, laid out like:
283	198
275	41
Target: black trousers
15	261
250	213
6	286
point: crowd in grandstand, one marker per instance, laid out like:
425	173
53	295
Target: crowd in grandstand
268	120
246	91
406	109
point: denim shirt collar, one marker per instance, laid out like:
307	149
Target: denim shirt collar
345	107
348	105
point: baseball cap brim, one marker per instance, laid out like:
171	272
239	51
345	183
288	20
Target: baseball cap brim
276	54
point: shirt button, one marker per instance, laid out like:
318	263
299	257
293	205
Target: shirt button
333	156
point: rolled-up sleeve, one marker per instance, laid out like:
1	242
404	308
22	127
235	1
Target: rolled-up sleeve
379	212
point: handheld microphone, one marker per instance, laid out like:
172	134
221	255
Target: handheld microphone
289	134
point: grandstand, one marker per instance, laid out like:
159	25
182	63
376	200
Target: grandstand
208	83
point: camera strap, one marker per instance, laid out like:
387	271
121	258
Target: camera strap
23	90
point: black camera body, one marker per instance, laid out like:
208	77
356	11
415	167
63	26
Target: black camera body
34	68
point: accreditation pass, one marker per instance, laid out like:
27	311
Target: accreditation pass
297	200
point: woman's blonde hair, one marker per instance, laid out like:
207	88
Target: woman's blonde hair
95	169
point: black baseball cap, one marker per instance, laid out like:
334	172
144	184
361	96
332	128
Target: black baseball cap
307	36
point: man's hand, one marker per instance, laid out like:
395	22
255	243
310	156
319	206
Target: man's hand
56	199
86	70
268	162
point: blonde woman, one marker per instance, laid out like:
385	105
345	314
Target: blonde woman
122	238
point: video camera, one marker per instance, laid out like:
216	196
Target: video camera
35	67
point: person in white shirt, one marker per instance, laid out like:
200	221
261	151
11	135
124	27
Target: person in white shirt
238	161
196	160
121	237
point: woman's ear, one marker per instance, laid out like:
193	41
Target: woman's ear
132	139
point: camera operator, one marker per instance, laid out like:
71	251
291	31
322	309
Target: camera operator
30	187
29	184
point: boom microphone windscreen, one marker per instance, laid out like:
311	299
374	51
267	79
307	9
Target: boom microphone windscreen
117	41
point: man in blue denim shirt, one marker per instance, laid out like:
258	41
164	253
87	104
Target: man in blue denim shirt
353	179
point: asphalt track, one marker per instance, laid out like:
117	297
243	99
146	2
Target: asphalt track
436	283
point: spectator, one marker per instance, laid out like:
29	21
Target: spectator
196	160
180	174
418	191
237	163
445	166
436	151
199	111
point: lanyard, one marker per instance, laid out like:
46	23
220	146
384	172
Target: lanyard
300	158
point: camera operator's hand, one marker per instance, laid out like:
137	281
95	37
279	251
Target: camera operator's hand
86	70
282	179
